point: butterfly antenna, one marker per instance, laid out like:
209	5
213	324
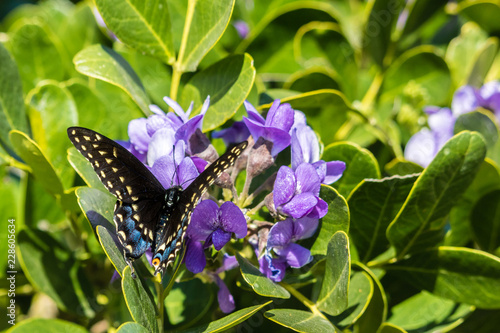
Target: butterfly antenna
175	169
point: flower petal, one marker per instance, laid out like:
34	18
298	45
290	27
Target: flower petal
163	169
465	99
296	255
238	132
226	300
334	170
253	114
284	186
179	111
274	269
161	144
319	210
187	173
188	129
220	238
195	257
204	220
307	179
138	134
281	118
421	148
300	205
304	227
280	234
231	219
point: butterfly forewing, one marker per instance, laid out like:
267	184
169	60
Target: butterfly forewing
122	173
175	230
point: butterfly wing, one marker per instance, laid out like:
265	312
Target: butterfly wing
140	194
122	173
176	226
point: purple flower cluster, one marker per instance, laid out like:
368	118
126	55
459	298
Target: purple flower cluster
424	145
171	145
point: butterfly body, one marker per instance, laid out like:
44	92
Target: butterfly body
146	214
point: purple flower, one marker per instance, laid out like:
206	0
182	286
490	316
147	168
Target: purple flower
305	149
424	145
296	194
242	28
275	128
490	95
466	99
213	225
238	132
226	300
282	251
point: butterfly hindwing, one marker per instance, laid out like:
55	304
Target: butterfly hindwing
173	236
122	173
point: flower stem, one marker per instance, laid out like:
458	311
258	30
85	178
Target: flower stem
174	85
307	302
159	292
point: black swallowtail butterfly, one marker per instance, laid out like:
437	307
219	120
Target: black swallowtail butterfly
146	215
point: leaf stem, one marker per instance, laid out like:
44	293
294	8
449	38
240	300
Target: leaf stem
176	80
307	302
159	291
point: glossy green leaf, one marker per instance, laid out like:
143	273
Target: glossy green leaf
53	270
390	328
42	169
377	30
420	221
429	312
483	122
143	25
52	111
227	82
376	312
422	69
300	321
228	321
40	206
108	242
204	24
131	327
105	64
188	301
35	53
259	283
484	60
485	222
487	179
360	164
84	169
12	111
336	219
10	191
46	325
138	301
402	168
485	13
334	289
374	204
97	205
460	274
360	295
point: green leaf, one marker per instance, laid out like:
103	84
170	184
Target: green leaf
376	312
390	328
485	13
52	111
97	206
300	321
419	12
35	53
138	301
483	122
360	295
109	244
333	295
460	274
259	283
46	325
12	111
485	222
188	301
105	64
31	154
10	191
360	164
421	69
374	204
131	327
425	311
377	30
228	321
143	25
53	270
228	82
204	24
420	221
401	167
336	219
84	169
485	58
